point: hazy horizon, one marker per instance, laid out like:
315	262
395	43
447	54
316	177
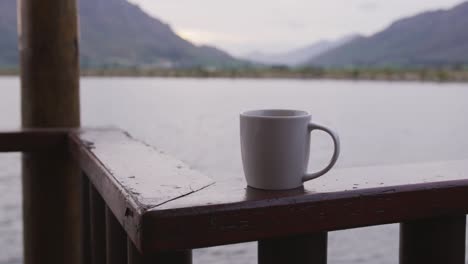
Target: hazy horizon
243	26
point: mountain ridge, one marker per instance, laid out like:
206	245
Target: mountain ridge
116	33
432	38
8	31
300	55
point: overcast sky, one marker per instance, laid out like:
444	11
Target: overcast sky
242	26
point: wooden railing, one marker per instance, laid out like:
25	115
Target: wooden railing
143	206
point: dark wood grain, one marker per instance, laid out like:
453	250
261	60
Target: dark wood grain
134	256
433	240
97	227
116	240
228	212
33	140
169	257
131	176
48	36
302	249
50	98
50	207
119	200
85	221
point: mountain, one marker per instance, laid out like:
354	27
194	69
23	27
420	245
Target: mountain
436	38
301	55
8	33
118	33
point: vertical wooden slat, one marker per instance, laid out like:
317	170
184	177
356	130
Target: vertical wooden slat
85	221
116	240
176	257
48	45
173	257
310	249
133	255
432	241
98	227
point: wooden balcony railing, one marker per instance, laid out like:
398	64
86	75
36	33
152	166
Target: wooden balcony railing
143	206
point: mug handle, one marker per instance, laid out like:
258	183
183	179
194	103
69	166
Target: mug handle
336	153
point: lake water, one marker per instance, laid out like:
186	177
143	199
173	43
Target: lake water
197	121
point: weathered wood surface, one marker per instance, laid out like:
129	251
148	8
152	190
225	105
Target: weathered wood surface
32	140
132	176
133	180
356	180
228	212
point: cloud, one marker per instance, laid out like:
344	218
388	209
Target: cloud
368	6
208	37
295	24
276	25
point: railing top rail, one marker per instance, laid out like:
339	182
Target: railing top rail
179	208
32	140
131	176
164	205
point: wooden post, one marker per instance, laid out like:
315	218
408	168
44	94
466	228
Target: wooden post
50	98
173	257
85	221
436	240
134	257
116	240
97	214
304	249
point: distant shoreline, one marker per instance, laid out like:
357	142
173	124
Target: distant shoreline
428	75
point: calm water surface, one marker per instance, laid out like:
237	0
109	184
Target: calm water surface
197	121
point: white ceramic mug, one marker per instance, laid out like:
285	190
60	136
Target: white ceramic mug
275	148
